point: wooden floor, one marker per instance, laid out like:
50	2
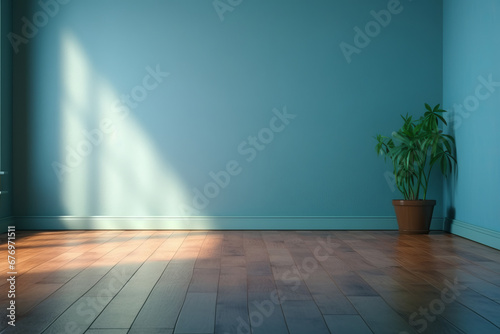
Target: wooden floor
272	282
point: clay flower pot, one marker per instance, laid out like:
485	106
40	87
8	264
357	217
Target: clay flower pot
414	217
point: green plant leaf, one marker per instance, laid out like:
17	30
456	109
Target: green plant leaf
415	148
441	118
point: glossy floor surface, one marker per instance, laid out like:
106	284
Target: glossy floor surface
257	282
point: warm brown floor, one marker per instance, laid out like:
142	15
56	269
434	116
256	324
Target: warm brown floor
272	282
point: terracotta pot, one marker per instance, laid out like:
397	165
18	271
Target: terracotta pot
414	217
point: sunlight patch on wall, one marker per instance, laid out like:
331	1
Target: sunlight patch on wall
133	175
116	169
75	111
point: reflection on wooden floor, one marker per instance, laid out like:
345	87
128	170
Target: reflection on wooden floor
252	282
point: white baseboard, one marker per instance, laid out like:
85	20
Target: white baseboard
212	223
475	233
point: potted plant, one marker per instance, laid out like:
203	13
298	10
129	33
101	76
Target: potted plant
414	150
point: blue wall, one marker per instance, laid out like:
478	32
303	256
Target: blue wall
471	58
6	112
227	72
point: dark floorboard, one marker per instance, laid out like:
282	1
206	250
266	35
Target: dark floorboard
260	282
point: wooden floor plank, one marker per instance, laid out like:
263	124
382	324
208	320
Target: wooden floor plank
84	311
255	282
379	316
198	314
204	280
265	313
482	272
304	317
411	301
351	284
487	308
232	309
31	265
475	282
161	309
41	316
107	331
37	265
150	331
323	290
122	310
347	324
467	320
460	311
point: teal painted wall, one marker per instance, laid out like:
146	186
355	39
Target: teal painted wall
472	91
6	112
231	71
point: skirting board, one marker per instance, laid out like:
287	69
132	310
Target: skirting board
475	233
212	223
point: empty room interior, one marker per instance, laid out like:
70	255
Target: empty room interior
250	167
